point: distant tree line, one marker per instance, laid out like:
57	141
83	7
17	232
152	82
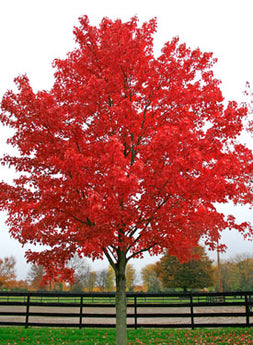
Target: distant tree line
167	274
237	273
85	278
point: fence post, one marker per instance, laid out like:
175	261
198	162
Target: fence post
135	312
27	311
247	309
192	312
81	312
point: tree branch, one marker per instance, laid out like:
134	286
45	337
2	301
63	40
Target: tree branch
110	257
141	251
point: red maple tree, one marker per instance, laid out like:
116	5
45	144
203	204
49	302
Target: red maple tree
127	153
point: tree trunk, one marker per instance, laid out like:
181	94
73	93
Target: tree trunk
121	308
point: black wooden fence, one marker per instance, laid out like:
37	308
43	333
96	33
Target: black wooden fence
143	309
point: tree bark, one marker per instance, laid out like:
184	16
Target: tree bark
121	308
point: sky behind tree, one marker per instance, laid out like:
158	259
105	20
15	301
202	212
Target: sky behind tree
34	33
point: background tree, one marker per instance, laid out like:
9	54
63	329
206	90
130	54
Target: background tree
7	271
237	273
130	277
34	277
229	276
102	280
244	266
127	153
21	285
82	274
111	279
195	273
150	278
91	281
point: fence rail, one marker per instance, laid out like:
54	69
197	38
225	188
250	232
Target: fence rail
143	309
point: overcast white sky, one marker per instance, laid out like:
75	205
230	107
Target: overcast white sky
34	32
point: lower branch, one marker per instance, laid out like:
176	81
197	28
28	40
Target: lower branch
141	251
109	258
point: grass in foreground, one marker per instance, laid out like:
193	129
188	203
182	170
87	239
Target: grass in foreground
60	336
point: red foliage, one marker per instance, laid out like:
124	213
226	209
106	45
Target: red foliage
126	152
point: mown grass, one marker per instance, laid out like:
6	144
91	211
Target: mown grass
111	299
60	336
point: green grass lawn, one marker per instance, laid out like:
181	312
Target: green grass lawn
60	336
111	300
